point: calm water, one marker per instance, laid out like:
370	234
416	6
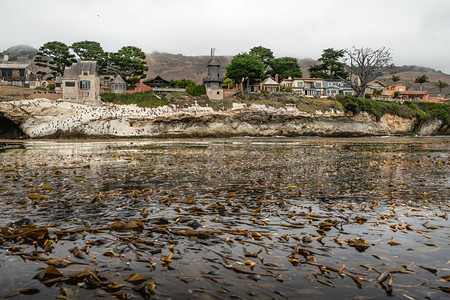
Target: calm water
312	218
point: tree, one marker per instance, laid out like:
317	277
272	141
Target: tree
183	83
55	56
264	54
88	50
228	81
245	68
364	64
395	78
421	80
129	61
441	85
331	66
285	67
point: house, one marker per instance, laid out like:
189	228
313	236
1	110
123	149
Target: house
118	85
81	83
414	95
158	82
311	87
15	73
270	85
376	87
317	87
58	85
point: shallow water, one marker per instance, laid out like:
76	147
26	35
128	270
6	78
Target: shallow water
218	218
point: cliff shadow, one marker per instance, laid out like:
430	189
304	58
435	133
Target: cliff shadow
10	130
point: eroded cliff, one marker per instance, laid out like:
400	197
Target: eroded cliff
42	118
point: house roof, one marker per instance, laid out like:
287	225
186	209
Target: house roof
379	82
75	70
118	80
13	66
58	79
271	81
413	92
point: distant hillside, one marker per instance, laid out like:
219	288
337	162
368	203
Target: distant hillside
20	52
178	66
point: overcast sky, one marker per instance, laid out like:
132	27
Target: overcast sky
417	31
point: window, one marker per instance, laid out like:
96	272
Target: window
7	72
85	84
85	73
58	84
318	84
300	84
70	83
22	73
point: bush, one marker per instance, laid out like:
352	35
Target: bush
374	107
421	110
51	86
435	110
196	90
288	90
183	83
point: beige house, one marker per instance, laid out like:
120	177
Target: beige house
81	83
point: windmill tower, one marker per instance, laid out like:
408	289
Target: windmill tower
213	81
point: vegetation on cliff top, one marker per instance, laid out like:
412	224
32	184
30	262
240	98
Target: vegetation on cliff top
423	111
142	99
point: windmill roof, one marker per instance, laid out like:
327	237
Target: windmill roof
213	62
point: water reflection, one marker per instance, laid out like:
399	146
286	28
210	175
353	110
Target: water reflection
283	192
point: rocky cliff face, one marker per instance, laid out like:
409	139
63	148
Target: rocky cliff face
44	118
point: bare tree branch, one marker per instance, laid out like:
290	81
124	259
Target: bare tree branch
363	66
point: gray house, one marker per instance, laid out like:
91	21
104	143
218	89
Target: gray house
118	85
81	83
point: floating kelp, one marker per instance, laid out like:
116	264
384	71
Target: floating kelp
233	218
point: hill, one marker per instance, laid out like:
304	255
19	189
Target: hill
20	52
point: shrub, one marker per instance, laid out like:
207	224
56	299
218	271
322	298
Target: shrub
196	90
421	110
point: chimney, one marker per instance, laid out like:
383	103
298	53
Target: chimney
276	77
5	57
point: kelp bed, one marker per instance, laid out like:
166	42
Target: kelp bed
225	218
